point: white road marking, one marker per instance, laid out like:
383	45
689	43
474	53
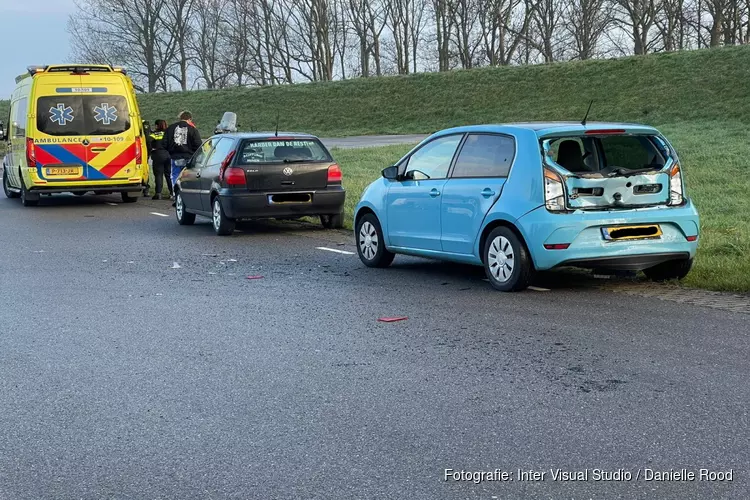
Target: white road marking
335	250
160	215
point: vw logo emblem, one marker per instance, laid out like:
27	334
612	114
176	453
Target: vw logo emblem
288	171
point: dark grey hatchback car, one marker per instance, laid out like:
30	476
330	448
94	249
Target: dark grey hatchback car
244	176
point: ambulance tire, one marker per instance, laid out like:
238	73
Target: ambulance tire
129	197
6	187
28	199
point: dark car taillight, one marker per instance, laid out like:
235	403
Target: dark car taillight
334	174
235	176
225	164
30	153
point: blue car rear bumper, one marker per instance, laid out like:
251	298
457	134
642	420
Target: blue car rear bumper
582	231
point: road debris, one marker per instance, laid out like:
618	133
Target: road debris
175	265
255	277
392	319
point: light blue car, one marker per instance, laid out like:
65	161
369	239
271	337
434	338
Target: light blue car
529	197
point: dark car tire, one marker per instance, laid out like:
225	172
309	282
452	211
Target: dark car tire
332	221
372	251
670	270
27	199
223	225
128	198
6	187
507	262
184	218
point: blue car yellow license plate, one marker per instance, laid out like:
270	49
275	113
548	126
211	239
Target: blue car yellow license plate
640	232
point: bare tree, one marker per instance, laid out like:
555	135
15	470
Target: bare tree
504	24
587	20
130	32
637	17
206	45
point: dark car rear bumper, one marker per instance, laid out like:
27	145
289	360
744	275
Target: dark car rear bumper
259	205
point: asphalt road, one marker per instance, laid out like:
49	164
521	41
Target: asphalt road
138	361
371	141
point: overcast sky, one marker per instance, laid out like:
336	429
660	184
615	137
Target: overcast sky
34	32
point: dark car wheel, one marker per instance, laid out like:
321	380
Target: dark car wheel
28	199
332	221
371	244
506	261
671	270
6	187
184	218
223	225
129	197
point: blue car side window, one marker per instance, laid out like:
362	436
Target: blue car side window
433	160
485	155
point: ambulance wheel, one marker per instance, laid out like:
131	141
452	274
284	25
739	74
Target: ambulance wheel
28	199
9	193
129	197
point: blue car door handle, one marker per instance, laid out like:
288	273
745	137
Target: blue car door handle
487	192
434	193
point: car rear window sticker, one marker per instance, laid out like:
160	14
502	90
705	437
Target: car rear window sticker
105	114
61	114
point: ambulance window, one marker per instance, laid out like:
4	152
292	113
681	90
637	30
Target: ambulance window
60	115
106	114
19	118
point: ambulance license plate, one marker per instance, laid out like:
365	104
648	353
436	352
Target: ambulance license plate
64	171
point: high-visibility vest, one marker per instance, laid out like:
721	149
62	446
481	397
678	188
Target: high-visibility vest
157	136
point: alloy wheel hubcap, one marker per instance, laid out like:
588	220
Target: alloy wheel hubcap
368	240
217	214
501	259
178	206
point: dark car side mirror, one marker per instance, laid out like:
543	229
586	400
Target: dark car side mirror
391	173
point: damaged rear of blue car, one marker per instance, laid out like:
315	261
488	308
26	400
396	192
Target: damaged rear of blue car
523	198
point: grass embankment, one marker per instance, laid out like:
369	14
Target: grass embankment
705	85
717	171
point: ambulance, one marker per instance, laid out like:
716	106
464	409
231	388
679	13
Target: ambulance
74	129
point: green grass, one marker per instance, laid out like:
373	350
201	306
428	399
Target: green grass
717	172
656	89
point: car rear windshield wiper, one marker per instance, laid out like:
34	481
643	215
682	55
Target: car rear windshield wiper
287	160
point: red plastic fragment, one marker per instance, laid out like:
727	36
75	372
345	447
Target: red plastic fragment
255	277
392	319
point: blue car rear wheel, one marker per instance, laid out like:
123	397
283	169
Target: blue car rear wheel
506	261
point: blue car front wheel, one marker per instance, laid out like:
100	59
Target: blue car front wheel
506	261
370	242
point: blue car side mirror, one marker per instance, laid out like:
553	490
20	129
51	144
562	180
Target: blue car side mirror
391	173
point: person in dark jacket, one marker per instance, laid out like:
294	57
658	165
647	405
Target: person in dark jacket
146	132
182	140
161	162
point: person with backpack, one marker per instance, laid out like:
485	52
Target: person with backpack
160	159
182	140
